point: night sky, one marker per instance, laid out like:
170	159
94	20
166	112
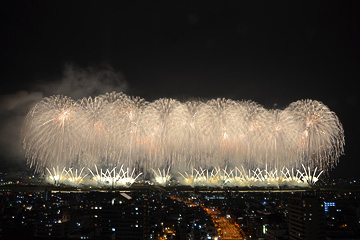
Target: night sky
273	53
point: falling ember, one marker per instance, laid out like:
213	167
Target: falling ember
118	130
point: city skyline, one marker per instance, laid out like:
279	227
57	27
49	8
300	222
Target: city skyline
155	212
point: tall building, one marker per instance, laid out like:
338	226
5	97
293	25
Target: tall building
306	219
121	221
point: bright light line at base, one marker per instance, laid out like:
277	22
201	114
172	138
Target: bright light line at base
217	177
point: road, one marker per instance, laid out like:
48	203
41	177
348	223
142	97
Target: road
225	225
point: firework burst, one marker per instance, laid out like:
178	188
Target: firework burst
114	129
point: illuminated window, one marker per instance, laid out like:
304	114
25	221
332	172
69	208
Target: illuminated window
327	205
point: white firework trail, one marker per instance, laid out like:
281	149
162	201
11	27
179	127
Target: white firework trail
75	177
114	130
109	177
162	177
56	176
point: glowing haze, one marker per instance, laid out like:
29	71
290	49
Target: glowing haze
114	130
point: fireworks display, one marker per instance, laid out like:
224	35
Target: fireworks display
114	130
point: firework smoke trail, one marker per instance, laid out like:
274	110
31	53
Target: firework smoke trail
114	129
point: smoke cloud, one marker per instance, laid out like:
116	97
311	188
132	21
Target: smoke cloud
75	82
78	82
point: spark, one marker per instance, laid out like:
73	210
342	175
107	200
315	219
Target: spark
162	177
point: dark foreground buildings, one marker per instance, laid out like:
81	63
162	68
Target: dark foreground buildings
306	218
158	213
